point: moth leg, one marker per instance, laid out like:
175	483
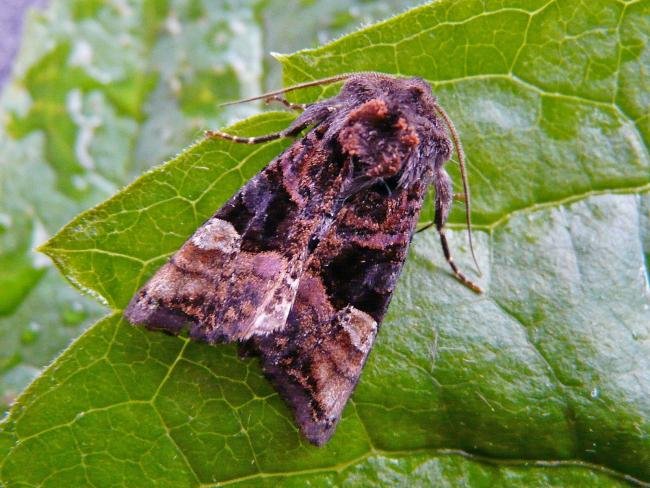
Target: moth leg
293	106
444	199
458	197
313	114
216	134
425	227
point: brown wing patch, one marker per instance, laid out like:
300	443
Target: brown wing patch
315	362
237	276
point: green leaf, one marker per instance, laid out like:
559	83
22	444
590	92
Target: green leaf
541	381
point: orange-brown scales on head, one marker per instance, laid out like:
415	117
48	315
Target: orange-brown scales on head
383	122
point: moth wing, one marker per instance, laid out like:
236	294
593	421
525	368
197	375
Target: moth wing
238	275
316	360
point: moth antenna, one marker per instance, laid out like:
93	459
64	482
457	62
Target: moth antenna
299	86
306	84
463	175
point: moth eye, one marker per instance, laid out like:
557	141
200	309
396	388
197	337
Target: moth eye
416	92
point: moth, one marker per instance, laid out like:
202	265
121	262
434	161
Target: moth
299	266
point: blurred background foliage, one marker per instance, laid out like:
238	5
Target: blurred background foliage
97	93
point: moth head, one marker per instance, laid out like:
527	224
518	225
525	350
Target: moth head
413	92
